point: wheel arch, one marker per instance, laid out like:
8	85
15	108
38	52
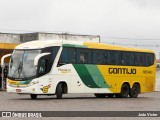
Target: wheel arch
64	86
127	84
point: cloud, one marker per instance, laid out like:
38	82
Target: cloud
109	18
146	3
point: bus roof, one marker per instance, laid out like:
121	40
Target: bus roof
38	44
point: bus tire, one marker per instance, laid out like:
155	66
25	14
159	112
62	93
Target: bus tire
59	91
118	95
124	91
33	96
110	95
100	95
134	91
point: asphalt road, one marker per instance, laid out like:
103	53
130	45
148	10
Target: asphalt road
80	102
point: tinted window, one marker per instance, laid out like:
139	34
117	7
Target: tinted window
50	58
105	57
110	57
72	55
140	59
149	59
43	67
64	57
83	56
102	57
117	58
127	58
95	56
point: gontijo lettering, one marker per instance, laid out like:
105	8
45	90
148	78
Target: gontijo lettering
121	71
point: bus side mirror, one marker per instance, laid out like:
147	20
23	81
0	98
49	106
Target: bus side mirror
36	59
2	59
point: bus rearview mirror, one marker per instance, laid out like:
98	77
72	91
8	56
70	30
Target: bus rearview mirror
36	59
2	59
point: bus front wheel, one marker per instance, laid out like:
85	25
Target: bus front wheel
33	96
134	91
59	91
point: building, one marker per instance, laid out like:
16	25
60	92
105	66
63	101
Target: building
58	36
8	41
7	44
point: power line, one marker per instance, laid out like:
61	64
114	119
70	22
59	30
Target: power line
145	39
114	43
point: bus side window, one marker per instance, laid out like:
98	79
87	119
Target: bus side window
99	57
63	57
43	67
140	59
128	58
110	57
125	58
137	61
72	55
94	56
131	58
149	59
117	58
83	56
103	57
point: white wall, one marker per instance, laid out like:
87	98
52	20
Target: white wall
9	38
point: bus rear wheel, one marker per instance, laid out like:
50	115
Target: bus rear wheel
124	91
33	96
134	91
100	95
59	91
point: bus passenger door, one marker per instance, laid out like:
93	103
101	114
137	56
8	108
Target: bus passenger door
45	79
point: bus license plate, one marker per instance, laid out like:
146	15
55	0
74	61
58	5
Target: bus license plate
18	90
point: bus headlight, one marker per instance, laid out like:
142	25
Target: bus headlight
33	82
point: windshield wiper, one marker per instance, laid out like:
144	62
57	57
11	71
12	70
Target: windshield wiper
20	70
17	70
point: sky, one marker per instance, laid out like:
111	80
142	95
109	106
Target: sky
131	23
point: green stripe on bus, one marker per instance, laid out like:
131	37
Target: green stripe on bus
94	71
24	82
91	76
85	76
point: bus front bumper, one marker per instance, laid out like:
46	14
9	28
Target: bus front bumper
28	89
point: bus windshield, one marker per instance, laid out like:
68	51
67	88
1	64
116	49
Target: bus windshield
22	64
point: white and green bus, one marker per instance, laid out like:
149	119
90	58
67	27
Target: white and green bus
55	67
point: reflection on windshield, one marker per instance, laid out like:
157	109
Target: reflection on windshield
22	63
